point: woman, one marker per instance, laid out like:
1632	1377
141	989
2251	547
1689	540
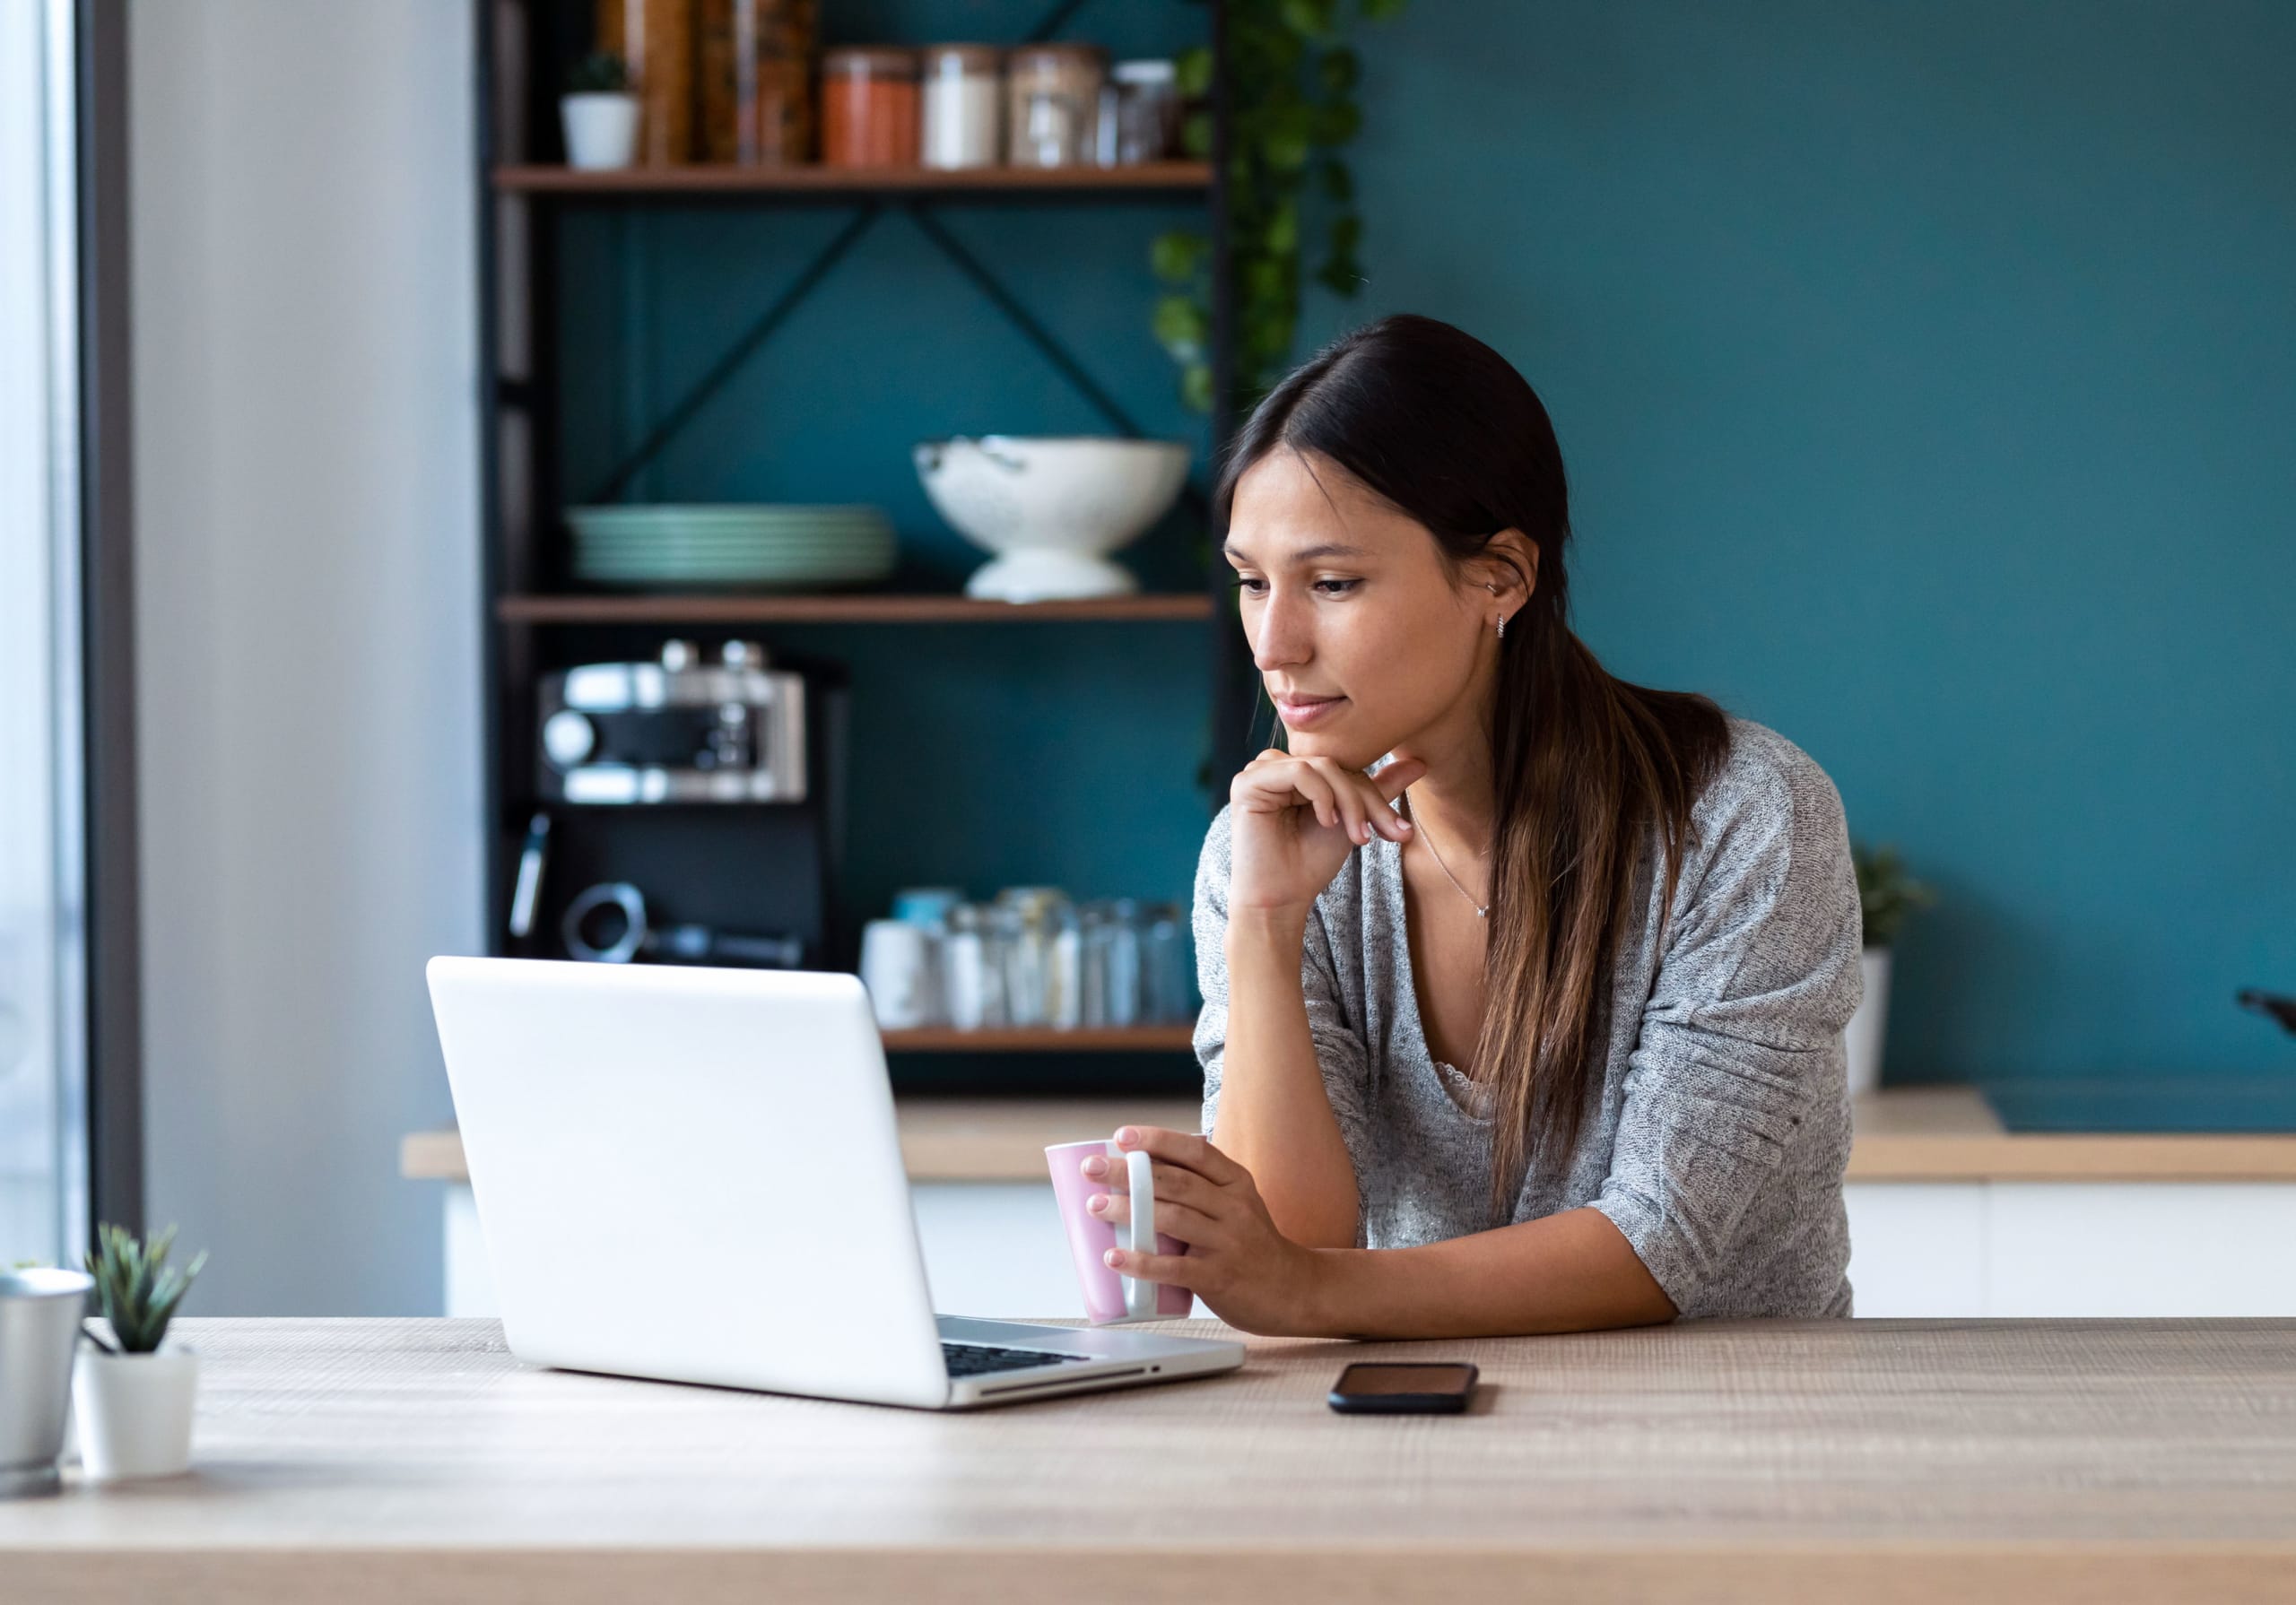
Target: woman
1524	986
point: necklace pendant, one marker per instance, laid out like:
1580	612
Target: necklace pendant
1481	913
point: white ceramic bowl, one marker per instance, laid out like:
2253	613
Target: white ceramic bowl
1052	507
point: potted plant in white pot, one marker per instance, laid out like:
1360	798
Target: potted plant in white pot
132	1393
1886	894
599	113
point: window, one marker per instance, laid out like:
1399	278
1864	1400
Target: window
43	989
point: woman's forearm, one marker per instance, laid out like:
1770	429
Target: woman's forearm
1573	1271
1274	1118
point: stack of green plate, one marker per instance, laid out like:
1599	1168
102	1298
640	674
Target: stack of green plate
784	547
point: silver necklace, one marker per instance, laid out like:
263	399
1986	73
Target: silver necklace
1481	910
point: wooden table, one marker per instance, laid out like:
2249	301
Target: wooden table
1873	1461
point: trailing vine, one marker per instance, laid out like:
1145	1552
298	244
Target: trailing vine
1292	81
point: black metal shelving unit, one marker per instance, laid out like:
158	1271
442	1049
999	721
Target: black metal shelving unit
519	56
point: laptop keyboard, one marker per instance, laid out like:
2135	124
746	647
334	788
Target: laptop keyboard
971	1359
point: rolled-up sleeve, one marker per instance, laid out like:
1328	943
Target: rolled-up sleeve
1742	1034
1340	1053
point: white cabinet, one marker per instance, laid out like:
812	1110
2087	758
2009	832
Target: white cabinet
2031	1248
1916	1248
995	1248
2156	1248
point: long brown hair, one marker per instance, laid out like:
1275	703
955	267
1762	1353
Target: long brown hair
1582	762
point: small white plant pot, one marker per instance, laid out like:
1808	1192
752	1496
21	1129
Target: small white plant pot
134	1411
601	129
1868	1026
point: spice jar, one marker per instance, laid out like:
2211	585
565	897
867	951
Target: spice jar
964	110
869	106
757	81
1052	103
1147	113
655	41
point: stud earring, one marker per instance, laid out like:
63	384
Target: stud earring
1502	626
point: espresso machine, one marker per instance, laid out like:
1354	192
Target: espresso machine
690	808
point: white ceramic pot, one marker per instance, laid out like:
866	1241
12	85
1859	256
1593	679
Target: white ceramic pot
1869	1025
1052	508
133	1411
601	129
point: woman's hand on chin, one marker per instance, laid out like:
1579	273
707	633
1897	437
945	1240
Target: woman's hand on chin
1246	1271
1293	822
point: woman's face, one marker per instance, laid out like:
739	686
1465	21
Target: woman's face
1344	598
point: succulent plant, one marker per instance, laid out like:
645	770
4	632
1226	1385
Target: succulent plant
600	73
1886	894
135	1289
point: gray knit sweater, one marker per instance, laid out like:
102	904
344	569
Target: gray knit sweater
1721	1129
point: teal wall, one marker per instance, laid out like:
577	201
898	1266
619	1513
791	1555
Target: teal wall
1926	374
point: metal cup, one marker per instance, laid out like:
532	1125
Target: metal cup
39	1328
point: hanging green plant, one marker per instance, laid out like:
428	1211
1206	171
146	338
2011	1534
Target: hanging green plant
1292	81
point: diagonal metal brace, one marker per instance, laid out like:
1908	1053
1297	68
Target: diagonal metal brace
1053	22
739	352
1042	338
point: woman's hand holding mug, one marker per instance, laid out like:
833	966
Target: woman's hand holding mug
1246	1271
1293	820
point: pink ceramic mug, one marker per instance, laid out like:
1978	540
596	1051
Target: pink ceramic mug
1109	1296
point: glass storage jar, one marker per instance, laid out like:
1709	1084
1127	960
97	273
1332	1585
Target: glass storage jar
1147	114
869	106
1041	954
1110	932
972	968
757	81
963	107
655	40
1052	101
1167	984
929	907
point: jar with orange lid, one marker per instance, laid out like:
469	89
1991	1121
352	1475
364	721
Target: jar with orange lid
869	106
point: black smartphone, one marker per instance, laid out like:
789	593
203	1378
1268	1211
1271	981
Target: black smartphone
1387	1388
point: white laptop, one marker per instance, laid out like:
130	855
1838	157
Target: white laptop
694	1175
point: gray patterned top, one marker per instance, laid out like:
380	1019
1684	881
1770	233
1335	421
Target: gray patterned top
1722	1127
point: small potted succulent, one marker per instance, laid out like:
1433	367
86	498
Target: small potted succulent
599	113
1886	894
132	1392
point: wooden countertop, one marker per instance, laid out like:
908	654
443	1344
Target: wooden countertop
1918	1134
374	1461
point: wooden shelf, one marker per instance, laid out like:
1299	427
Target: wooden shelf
1027	1039
702	178
758	608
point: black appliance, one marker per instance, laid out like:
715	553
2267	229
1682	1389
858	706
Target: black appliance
714	778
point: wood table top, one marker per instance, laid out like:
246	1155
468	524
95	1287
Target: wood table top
354	1460
1915	1134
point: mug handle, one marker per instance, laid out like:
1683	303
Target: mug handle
1139	1292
